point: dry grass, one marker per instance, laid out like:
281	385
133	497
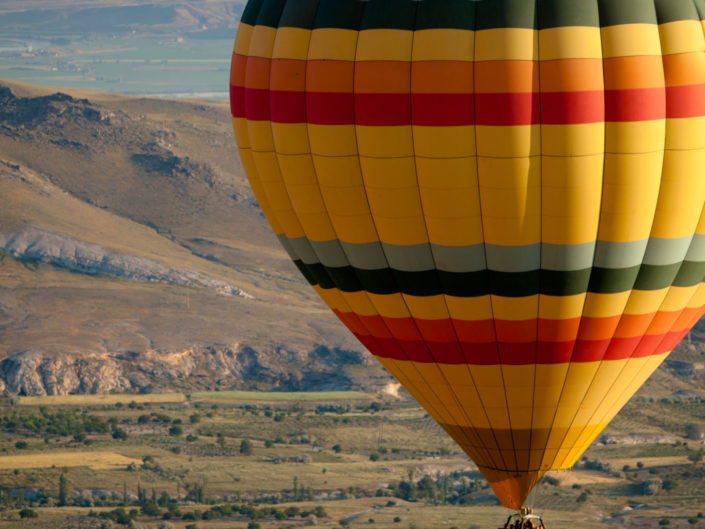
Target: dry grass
650	462
94	460
98	400
289	396
582	477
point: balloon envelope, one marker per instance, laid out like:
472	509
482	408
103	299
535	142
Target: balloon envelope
502	199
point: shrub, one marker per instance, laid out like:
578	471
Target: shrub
212	515
119	433
337	449
397	519
28	513
21	445
669	484
664	521
176	430
374	457
246	447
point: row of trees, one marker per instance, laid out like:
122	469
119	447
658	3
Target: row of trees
168	509
455	487
62	422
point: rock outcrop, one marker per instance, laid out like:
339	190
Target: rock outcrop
66	252
236	366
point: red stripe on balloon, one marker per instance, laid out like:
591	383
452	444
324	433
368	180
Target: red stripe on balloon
507	109
442	110
686	101
558	108
522	353
330	108
637	104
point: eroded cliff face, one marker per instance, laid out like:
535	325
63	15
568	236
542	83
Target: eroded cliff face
63	251
235	366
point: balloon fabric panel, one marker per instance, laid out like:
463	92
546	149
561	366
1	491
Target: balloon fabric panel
502	199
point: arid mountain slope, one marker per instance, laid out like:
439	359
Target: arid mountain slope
134	257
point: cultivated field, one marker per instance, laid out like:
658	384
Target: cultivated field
279	396
98	400
93	460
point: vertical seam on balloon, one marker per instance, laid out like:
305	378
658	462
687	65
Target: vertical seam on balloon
607	412
539	296
430	248
413	319
362	322
270	126
594	255
274	147
482	225
283	180
602	360
258	176
366	3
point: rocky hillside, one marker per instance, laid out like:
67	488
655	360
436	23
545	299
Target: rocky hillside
133	257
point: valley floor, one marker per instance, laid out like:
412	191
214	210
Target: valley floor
246	460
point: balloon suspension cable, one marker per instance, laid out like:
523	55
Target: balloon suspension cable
524	518
530	501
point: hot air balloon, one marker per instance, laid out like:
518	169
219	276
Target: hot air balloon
501	199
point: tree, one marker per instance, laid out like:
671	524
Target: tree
246	447
164	499
63	488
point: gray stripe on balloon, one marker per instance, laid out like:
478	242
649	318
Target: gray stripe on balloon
477	257
696	252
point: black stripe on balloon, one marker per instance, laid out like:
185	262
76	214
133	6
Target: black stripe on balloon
507	284
495	14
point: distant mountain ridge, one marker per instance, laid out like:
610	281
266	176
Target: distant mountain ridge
166	16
